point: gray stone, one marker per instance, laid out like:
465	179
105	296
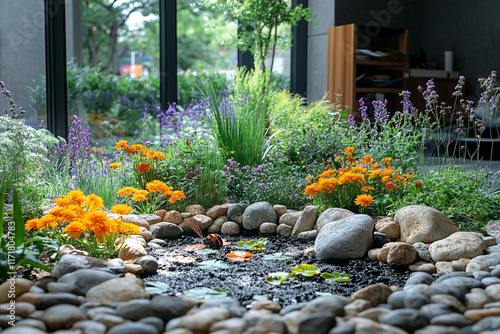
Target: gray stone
415	300
60	287
62	316
449	301
431	311
280	209
457	246
84	279
159	242
236	209
291	308
401	254
290	218
22	330
133	328
90	327
165	230
455	291
443	278
284	230
268	228
423	251
316	323
93	312
348	238
22	310
306	221
135	309
330	215
333	304
357	306
51	299
34	323
233	325
217	224
148	263
419	278
397	299
477	299
432	329
343	328
230	228
109	320
490	281
70	263
150	218
256	214
452	319
117	290
487	324
158	323
167	307
407	319
308	235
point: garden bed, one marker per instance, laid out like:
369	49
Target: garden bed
245	281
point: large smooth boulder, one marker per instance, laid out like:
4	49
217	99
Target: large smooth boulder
306	221
256	214
457	246
348	238
420	223
330	215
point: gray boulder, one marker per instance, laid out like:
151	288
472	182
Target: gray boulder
165	230
256	214
348	238
330	215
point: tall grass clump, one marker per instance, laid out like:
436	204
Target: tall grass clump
239	121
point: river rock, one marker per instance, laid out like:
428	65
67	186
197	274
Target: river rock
423	251
421	266
230	228
145	234
195	209
83	280
407	319
20	285
173	217
217	224
256	214
136	220
150	218
280	209
165	230
133	328
148	263
330	215
316	323
306	221
421	223
135	309
268	228
202	320
69	249
70	263
308	235
456	246
168	307
203	222
62	316
401	254
334	304
284	230
389	227
218	210
376	293
348	238
290	218
89	326
117	290
131	250
235	212
160	213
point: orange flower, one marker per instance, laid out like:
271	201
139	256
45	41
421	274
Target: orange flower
337	158
129	228
94	202
121	209
385	179
390	185
46	222
374	173
127	191
143	167
140	195
159	156
158	186
387	162
407	175
137	147
32	224
367	188
387	172
349	150
75	229
311	190
121	144
326	173
97	221
115	165
308	179
363	200
76	197
418	185
176	195
367	159
327	185
62	202
130	150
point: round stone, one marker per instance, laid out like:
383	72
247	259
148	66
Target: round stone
230	228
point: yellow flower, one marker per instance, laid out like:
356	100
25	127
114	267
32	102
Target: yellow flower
127	191
97	221
374	173
137	147
176	195
158	186
359	169
159	156
327	185
94	202
129	228
385	179
75	229
121	209
140	195
121	144
387	172
349	150
115	165
363	200
367	159
367	188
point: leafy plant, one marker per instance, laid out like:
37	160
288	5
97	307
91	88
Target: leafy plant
275	256
257	245
305	270
278	278
336	277
213	265
156	287
206	293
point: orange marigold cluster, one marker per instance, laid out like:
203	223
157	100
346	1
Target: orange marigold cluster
155	186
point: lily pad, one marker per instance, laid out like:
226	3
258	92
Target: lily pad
275	256
213	265
278	278
205	293
239	256
156	287
207	251
305	270
336	277
182	259
257	245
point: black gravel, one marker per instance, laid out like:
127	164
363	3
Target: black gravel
244	280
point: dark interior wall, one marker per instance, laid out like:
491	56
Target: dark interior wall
404	14
468	28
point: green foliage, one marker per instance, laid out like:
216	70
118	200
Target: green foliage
257	245
156	287
213	265
275	256
336	277
305	270
189	84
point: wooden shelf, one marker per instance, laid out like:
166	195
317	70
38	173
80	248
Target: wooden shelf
381	63
378	90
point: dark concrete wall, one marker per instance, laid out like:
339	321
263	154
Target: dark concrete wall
405	14
471	29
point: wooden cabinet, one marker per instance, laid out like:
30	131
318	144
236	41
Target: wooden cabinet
353	72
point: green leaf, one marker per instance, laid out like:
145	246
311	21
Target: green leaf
205	293
18	220
207	251
275	256
260	297
2	197
213	265
156	287
305	270
336	277
258	245
278	278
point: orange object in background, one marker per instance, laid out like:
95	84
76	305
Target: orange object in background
129	70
